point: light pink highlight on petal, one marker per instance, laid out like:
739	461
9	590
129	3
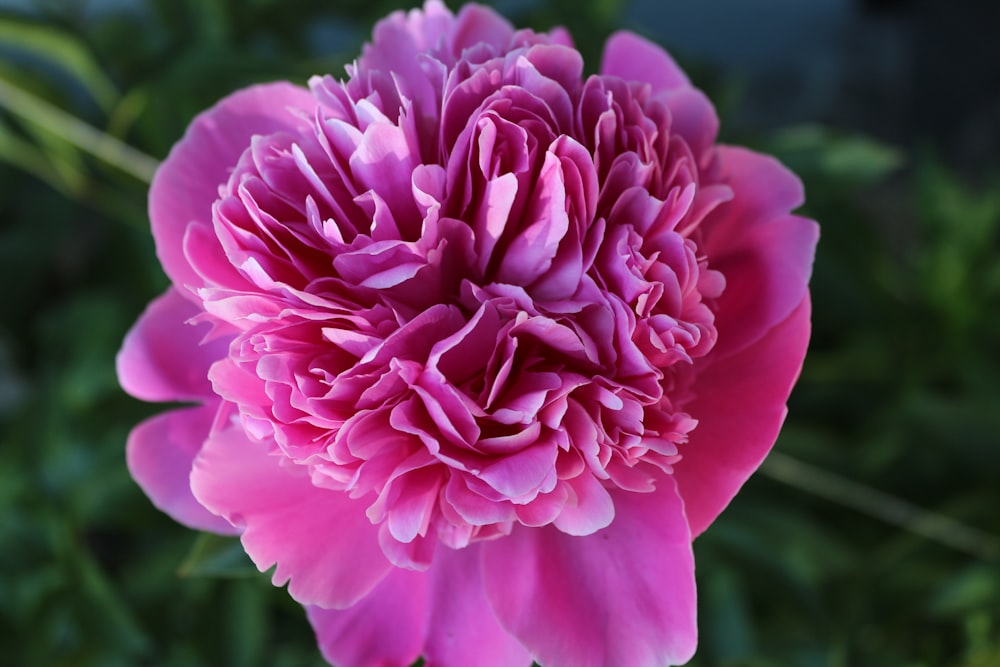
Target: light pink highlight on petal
588	509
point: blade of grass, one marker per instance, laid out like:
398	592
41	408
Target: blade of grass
70	181
87	138
888	508
25	155
64	50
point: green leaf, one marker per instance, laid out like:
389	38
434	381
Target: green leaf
246	627
72	134
117	622
727	618
63	50
22	154
216	556
975	587
854	158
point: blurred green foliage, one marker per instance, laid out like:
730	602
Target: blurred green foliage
844	560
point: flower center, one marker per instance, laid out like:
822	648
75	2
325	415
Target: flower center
499	335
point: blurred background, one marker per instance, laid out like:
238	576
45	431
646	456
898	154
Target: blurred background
870	538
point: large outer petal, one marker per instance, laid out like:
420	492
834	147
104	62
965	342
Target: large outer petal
462	628
384	629
740	406
163	358
160	453
441	612
187	183
765	254
624	595
634	58
321	540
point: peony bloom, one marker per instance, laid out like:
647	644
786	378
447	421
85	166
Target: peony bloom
475	344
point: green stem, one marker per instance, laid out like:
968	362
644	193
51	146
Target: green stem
896	511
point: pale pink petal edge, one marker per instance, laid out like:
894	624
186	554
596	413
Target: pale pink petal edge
160	454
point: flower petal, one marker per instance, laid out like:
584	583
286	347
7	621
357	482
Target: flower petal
589	508
693	117
462	628
385	628
740	406
765	254
624	595
441	613
148	365
476	25
160	453
320	539
764	188
633	58
187	183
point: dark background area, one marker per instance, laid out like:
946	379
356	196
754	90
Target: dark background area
870	538
918	73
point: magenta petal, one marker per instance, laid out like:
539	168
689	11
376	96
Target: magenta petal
320	539
521	473
765	254
633	58
764	188
160	453
477	25
442	613
488	342
622	596
384	628
187	183
740	407
693	117
588	509
765	281
163	358
462	629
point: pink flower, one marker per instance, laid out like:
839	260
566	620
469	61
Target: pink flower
476	344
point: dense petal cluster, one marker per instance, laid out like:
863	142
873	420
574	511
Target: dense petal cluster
478	344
